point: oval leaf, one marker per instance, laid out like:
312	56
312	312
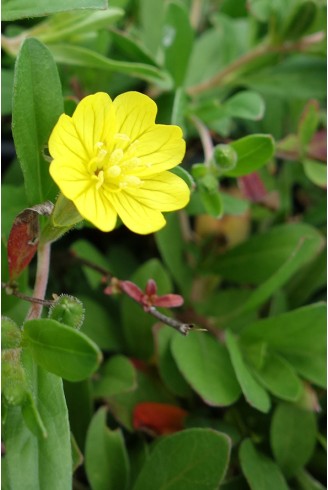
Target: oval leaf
205	364
61	349
253	152
194	458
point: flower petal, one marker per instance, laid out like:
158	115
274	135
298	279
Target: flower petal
159	149
164	191
94	206
169	301
135	114
137	217
132	290
72	178
65	143
94	120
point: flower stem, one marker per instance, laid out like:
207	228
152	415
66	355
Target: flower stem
41	280
205	138
263	49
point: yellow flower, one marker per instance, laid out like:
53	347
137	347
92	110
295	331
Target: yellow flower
110	158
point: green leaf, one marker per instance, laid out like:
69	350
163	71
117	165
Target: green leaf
189	459
74	24
7	82
151	15
133	49
253	151
61	349
79	402
278	377
255	260
245	105
184	175
37	92
299	335
255	395
302	254
87	58
307	482
292	437
261	472
168	370
205	364
316	172
99	326
308	124
171	245
297	77
116	376
234	205
42	462
18	9
212	202
106	459
300	20
177	40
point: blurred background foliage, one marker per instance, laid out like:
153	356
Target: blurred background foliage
243	404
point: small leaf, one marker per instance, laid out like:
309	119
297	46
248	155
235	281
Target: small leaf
61	350
211	201
308	123
158	418
24	238
205	364
245	105
193	458
293	437
253	151
117	375
106	460
261	472
316	172
255	395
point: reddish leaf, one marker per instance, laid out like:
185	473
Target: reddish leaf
169	301
318	146
252	187
24	237
132	290
158	418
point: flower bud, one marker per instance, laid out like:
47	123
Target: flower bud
68	310
224	158
10	334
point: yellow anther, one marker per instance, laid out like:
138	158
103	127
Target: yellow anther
116	156
132	180
114	171
121	137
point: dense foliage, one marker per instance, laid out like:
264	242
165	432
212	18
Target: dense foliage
104	384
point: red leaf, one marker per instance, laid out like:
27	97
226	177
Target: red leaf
169	301
158	418
24	237
132	290
252	187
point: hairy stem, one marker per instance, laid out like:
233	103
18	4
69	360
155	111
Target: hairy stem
41	280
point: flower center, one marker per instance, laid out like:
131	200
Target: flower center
115	169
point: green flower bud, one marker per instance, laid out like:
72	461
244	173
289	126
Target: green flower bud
68	310
10	334
198	170
13	379
224	158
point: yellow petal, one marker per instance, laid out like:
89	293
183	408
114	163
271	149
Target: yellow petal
94	120
72	178
137	217
94	206
164	191
135	114
161	148
65	143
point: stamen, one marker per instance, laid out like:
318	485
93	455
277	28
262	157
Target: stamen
99	179
121	137
133	180
116	156
114	171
